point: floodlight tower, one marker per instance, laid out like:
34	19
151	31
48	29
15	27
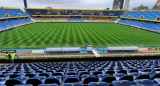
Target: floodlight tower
126	6
25	3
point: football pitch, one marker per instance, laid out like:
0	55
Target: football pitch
99	35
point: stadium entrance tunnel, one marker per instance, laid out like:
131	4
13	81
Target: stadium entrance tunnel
82	59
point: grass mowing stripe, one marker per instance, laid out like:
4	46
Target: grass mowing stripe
84	35
42	35
74	36
78	35
96	35
90	35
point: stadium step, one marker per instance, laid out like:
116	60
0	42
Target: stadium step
96	53
117	20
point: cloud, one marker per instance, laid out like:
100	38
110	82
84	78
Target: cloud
84	4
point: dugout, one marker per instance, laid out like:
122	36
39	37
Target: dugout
60	50
122	49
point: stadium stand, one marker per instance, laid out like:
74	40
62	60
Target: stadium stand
148	20
12	17
148	15
80	12
60	19
53	19
72	15
37	19
11	12
75	19
10	23
104	20
47	19
153	26
71	19
92	19
82	73
86	19
43	19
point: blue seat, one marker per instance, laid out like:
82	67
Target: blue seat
41	78
96	72
111	72
157	75
58	74
12	82
118	75
34	82
44	74
108	79
98	84
52	81
90	79
122	71
71	73
23	80
127	77
85	76
4	76
143	76
133	71
157	70
30	75
14	75
71	76
136	85
134	74
157	80
48	85
144	82
73	84
121	83
83	73
24	85
57	77
71	80
101	76
3	81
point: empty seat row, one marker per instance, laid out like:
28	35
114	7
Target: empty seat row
123	73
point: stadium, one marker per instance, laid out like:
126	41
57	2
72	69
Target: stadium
80	47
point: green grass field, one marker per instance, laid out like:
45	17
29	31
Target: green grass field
42	35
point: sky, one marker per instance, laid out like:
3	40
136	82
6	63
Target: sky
74	4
